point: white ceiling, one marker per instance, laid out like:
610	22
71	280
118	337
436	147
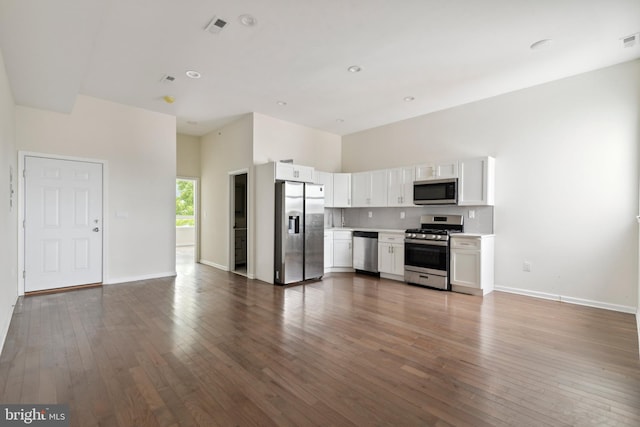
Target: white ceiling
441	52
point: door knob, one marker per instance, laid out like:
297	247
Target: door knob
95	230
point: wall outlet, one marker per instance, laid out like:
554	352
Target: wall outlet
401	215
472	213
526	266
370	214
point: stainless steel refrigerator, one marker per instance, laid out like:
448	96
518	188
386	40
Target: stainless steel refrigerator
299	239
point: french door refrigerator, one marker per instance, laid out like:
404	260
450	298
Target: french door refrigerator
299	235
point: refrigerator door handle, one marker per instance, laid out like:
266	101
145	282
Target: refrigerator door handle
294	224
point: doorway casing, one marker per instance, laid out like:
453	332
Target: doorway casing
244	200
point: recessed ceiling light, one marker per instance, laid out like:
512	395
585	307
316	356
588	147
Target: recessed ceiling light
169	99
248	20
408	98
354	69
281	103
193	74
541	44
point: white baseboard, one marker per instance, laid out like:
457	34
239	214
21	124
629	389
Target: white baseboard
5	329
138	278
570	300
214	265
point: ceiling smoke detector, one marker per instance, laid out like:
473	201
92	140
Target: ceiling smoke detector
167	79
215	25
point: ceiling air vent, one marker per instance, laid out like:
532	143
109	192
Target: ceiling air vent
167	79
631	40
215	25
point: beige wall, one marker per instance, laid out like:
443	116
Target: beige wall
226	150
276	140
139	147
8	214
566	163
188	155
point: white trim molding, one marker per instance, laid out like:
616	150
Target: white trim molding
570	300
5	331
119	280
214	265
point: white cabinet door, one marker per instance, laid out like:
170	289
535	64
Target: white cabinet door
465	268
369	188
476	183
472	264
378	188
341	190
342	253
291	172
391	253
361	189
328	249
326	179
385	257
400	187
397	251
437	171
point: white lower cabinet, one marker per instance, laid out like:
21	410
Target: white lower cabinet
391	255
328	250
342	249
472	264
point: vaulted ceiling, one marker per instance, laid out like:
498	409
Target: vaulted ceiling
415	56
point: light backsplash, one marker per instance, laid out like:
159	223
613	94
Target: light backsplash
389	218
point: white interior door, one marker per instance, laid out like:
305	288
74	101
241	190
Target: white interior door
63	223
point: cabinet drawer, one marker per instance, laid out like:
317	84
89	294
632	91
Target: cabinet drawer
390	238
341	235
465	243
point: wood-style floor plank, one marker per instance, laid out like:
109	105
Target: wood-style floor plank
209	348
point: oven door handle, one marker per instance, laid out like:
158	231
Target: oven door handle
427	242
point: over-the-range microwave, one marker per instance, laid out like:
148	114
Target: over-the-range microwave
436	192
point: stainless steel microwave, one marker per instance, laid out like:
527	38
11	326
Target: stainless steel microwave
436	192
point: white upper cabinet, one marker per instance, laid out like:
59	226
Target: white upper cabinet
440	170
326	179
291	172
341	190
477	182
400	186
369	189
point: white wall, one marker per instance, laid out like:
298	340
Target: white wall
140	149
8	214
275	140
188	155
566	164
226	150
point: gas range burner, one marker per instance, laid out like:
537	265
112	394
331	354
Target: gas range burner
427	231
427	234
436	227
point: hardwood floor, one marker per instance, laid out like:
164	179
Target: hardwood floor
211	348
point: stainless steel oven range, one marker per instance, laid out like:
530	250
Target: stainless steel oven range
426	250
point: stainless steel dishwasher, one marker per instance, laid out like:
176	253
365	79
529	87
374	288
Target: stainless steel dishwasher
365	252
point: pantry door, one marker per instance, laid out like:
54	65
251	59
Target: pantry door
63	223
